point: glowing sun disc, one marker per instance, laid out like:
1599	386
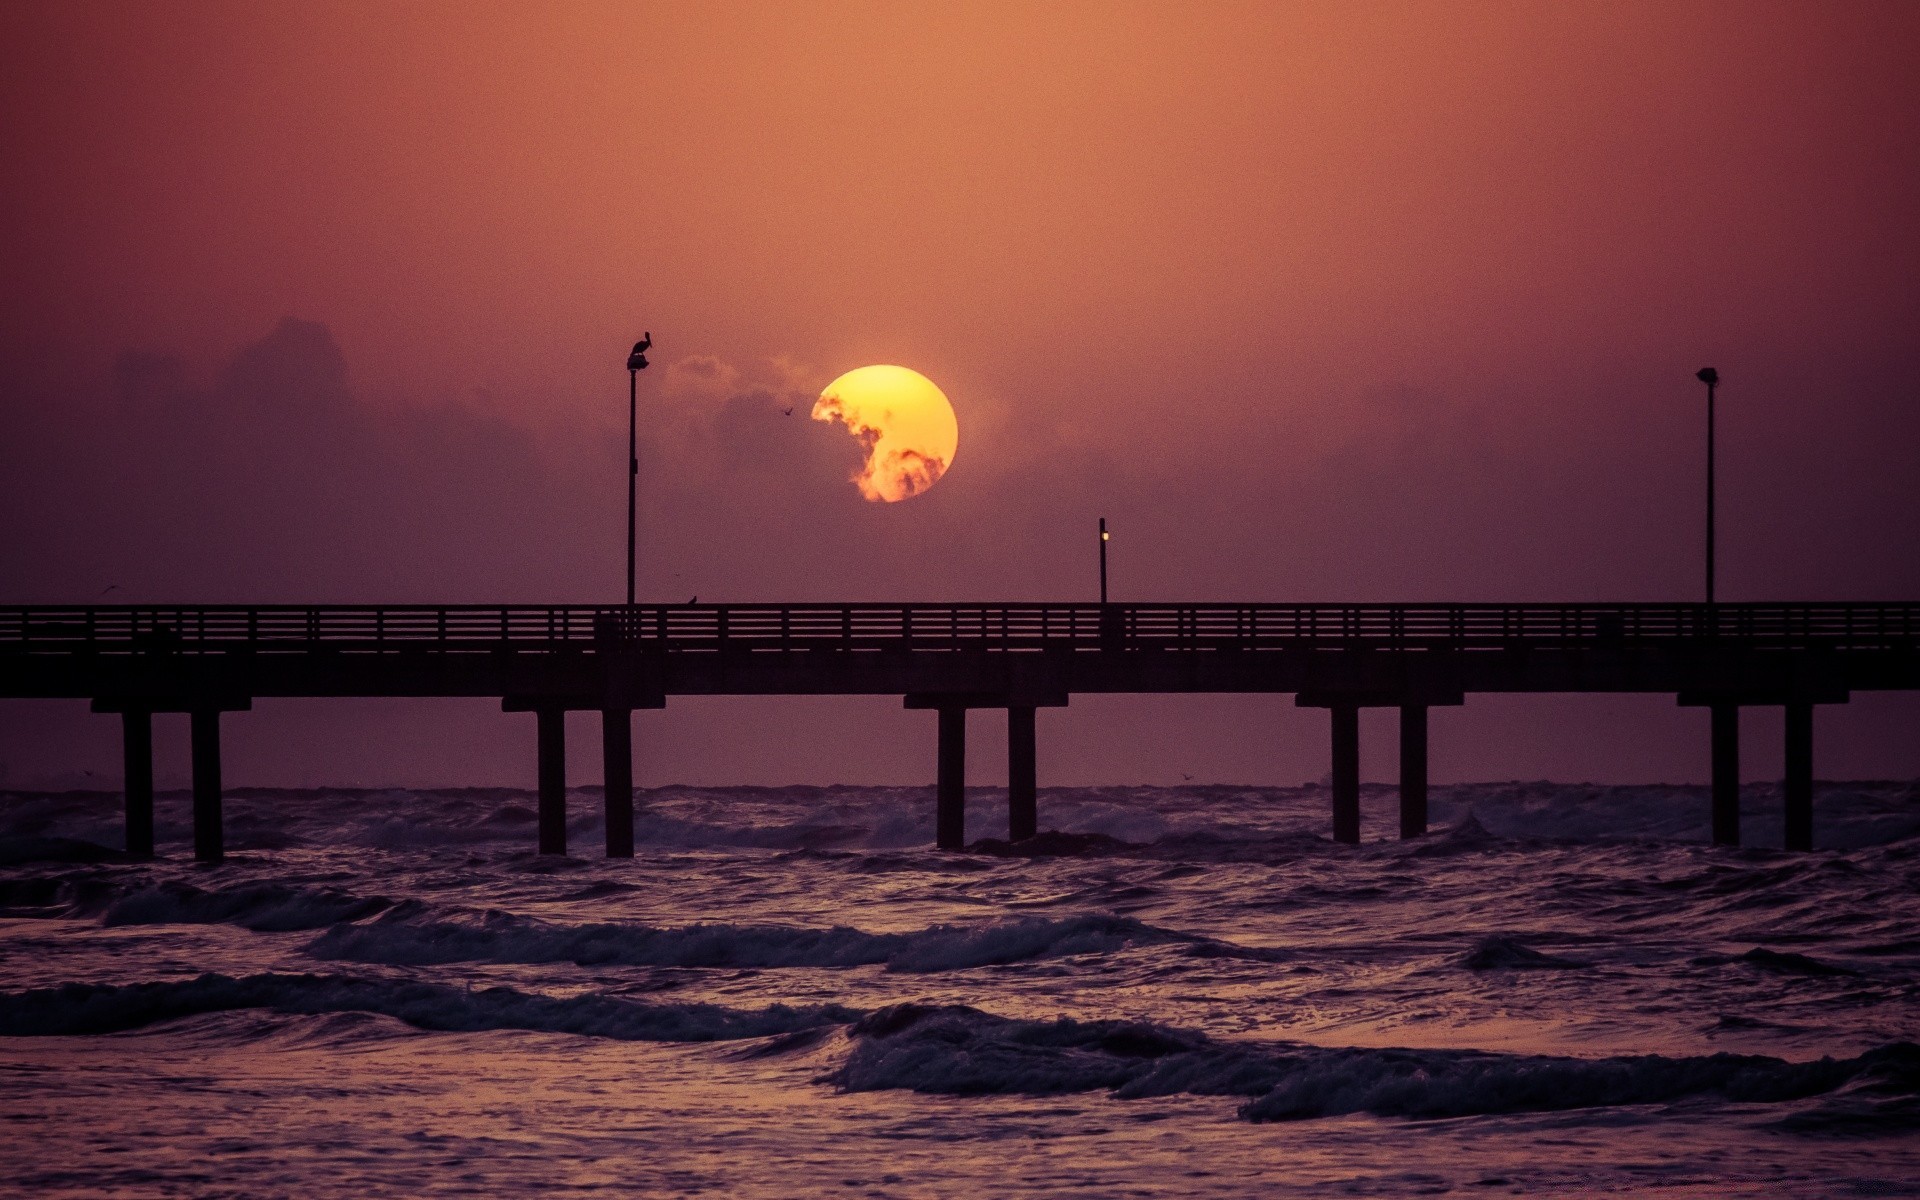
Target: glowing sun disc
904	423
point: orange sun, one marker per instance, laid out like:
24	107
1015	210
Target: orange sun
904	423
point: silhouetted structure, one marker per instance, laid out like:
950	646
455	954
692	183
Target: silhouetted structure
1103	560
636	363
1711	378
950	658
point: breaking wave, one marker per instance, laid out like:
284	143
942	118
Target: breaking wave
1498	953
84	1008
503	938
955	1050
261	907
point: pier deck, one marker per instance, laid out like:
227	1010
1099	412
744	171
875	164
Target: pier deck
139	660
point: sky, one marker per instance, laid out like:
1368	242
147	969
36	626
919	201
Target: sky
330	302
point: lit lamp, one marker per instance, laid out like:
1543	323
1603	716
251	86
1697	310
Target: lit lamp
1105	537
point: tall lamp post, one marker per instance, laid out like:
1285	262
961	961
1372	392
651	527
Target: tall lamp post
1710	377
1103	560
636	363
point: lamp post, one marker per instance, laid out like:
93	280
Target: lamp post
1103	560
1710	377
636	363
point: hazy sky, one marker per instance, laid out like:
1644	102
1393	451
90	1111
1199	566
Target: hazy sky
1313	301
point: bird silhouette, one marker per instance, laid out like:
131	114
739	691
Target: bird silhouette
638	359
694	600
787	411
112	587
1186	777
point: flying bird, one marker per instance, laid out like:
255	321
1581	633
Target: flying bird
787	411
112	587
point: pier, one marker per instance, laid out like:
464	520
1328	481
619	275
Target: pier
135	661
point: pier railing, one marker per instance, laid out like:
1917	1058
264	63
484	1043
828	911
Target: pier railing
358	629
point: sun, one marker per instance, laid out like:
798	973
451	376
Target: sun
904	423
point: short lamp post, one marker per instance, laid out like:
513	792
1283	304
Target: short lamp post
1104	537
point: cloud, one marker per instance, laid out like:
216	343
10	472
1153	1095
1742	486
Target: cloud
793	375
700	375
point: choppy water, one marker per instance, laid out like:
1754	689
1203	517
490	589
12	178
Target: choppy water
1188	992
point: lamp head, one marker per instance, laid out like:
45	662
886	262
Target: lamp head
637	361
1708	376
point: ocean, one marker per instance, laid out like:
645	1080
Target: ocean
1564	990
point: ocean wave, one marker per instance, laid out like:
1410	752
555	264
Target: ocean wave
261	907
955	1050
54	895
1783	962
16	851
1228	823
504	938
83	1008
1498	953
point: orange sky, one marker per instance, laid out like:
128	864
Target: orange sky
1316	301
1034	203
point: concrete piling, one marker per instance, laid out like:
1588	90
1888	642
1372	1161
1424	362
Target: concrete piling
1798	785
1413	770
551	735
1023	810
209	834
1726	773
617	751
1346	772
136	726
950	816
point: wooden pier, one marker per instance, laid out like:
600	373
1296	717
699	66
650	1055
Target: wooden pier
547	660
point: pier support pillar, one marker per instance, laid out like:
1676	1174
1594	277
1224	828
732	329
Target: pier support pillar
136	726
1346	772
950	814
551	732
1344	707
950	811
617	742
209	835
1726	774
1023	809
1413	770
1798	787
